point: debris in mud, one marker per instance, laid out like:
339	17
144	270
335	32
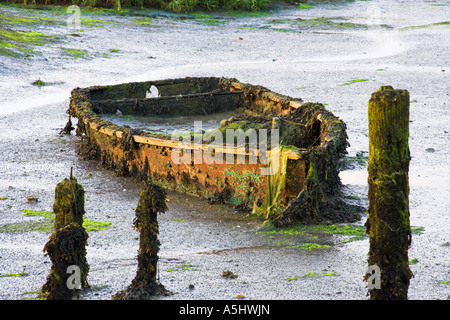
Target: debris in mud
359	160
38	83
68	128
152	201
31	199
67	244
220	197
229	275
336	210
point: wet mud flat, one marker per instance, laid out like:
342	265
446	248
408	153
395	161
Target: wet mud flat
201	241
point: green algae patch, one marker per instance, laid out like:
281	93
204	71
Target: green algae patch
318	24
21	274
17	43
38	83
310	275
430	25
310	246
354	81
48	215
30	37
187	267
95	225
42	226
93	22
355	232
417	230
48	224
12	20
212	22
348	232
328	274
29	17
145	22
75	53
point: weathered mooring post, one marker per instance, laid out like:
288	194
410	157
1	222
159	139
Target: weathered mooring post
388	221
67	244
152	201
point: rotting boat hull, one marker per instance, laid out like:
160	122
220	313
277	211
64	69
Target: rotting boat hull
308	167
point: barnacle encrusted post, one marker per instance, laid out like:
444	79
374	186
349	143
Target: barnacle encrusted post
152	201
388	221
67	244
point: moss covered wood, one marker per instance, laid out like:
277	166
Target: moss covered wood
152	201
388	221
67	244
69	203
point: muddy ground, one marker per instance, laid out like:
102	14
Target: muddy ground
339	59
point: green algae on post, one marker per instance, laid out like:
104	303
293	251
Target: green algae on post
144	286
388	223
67	244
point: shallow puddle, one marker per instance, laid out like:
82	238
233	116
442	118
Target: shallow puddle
168	125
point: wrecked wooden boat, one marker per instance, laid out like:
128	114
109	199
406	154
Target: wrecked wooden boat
284	179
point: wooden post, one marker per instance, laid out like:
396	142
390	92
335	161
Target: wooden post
67	244
152	201
388	221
